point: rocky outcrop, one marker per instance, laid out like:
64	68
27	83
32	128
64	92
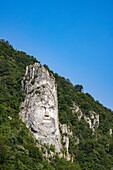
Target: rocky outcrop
39	110
66	133
110	132
92	119
76	110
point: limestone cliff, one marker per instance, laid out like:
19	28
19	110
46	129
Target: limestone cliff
66	134
92	118
40	107
39	110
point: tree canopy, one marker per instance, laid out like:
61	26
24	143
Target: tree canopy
18	148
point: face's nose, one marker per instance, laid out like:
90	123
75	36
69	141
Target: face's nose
47	112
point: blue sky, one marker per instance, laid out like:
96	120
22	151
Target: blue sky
74	38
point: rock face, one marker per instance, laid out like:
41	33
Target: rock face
92	119
66	133
77	110
40	108
110	132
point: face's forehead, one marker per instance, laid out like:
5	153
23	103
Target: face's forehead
47	97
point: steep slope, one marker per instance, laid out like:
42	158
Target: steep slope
18	149
85	125
90	122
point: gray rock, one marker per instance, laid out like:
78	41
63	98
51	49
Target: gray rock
92	120
40	107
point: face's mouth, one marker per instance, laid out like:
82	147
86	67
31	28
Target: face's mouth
47	117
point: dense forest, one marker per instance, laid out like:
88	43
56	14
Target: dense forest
18	148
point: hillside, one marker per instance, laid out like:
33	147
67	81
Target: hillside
75	109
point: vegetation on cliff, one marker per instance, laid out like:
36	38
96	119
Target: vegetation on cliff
17	146
95	151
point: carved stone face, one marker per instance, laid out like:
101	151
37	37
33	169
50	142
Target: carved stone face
40	112
44	113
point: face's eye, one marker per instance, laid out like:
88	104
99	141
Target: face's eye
43	109
51	108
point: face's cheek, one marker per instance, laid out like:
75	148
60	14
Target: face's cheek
42	110
51	111
39	113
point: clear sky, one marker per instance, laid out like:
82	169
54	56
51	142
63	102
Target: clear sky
73	37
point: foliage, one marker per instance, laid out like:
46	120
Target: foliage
92	149
78	87
17	146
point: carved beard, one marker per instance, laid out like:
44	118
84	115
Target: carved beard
47	128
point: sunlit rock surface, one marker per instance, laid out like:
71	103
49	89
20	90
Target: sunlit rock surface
66	133
40	107
76	110
92	120
39	110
